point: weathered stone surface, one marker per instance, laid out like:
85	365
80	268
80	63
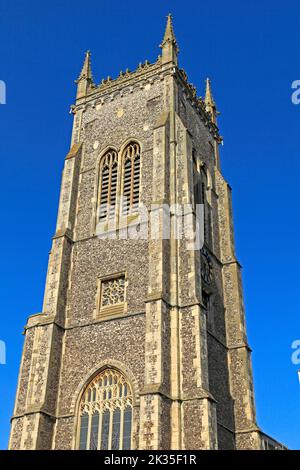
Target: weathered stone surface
188	364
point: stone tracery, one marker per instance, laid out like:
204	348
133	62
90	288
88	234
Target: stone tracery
106	413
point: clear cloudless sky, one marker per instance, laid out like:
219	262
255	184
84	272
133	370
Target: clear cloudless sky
250	50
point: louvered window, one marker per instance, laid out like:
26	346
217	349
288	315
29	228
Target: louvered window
108	185
207	208
196	182
131	177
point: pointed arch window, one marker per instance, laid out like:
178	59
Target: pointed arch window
105	413
201	187
131	160
196	182
108	185
205	201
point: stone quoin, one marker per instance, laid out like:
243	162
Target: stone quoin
141	344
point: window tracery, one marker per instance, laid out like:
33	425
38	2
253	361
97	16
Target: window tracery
105	413
112	291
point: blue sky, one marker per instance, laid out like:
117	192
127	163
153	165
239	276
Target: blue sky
250	50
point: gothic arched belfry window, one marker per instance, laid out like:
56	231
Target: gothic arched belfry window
196	182
201	186
205	200
108	185
105	413
131	176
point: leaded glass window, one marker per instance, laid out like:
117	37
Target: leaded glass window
106	413
127	428
94	431
84	430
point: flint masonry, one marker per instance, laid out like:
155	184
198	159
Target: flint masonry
141	344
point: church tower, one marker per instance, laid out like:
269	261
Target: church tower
141	343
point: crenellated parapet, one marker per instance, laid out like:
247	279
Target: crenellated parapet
141	343
145	74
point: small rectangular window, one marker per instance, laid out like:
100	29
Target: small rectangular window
112	296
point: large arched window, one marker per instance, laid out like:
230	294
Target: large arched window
105	410
108	185
131	160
